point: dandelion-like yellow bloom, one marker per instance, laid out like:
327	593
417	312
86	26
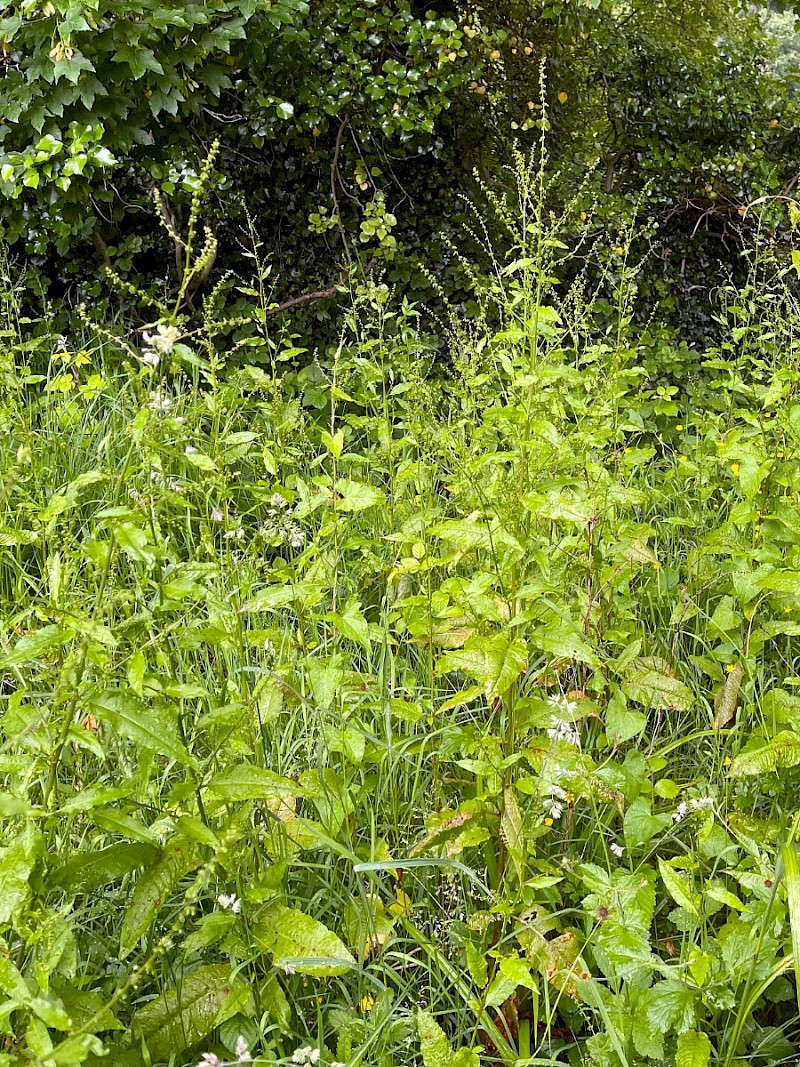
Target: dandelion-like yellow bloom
367	1003
735	468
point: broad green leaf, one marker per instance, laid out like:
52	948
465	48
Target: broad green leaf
640	825
248	782
694	1049
726	699
286	933
33	646
657	689
678	888
783	750
135	543
468	536
181	1017
149	726
16	863
152	891
511	829
434	1046
477	964
91	870
496	662
356	496
622	724
351	623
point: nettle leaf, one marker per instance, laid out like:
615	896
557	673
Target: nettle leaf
311	948
783	750
654	688
496	662
694	1050
248	782
184	1015
671	1006
149	726
152	891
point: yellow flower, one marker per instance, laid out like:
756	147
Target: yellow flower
679	426
727	761
735	469
367	1003
729	667
627	450
684	459
788	608
548	822
767	414
569	798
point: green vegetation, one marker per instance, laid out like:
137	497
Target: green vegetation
375	709
399	540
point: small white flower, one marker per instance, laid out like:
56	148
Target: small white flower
566	707
159	401
337	1063
617	850
209	1059
230	903
303	1055
563	731
150	358
277	501
242	1050
190	450
554	808
236	534
314	1057
680	812
217	515
702	803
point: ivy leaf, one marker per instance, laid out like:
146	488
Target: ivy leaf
184	1015
311	948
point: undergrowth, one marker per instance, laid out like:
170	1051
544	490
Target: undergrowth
366	712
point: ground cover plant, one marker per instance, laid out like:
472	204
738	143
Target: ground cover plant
361	710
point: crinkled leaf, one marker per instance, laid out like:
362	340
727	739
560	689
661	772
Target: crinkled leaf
152	891
184	1015
287	933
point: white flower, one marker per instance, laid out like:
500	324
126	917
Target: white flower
159	401
278	501
190	450
230	903
314	1057
702	803
554	808
681	811
617	850
242	1050
150	358
209	1059
307	1054
238	534
217	515
563	731
337	1063
162	341
566	707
